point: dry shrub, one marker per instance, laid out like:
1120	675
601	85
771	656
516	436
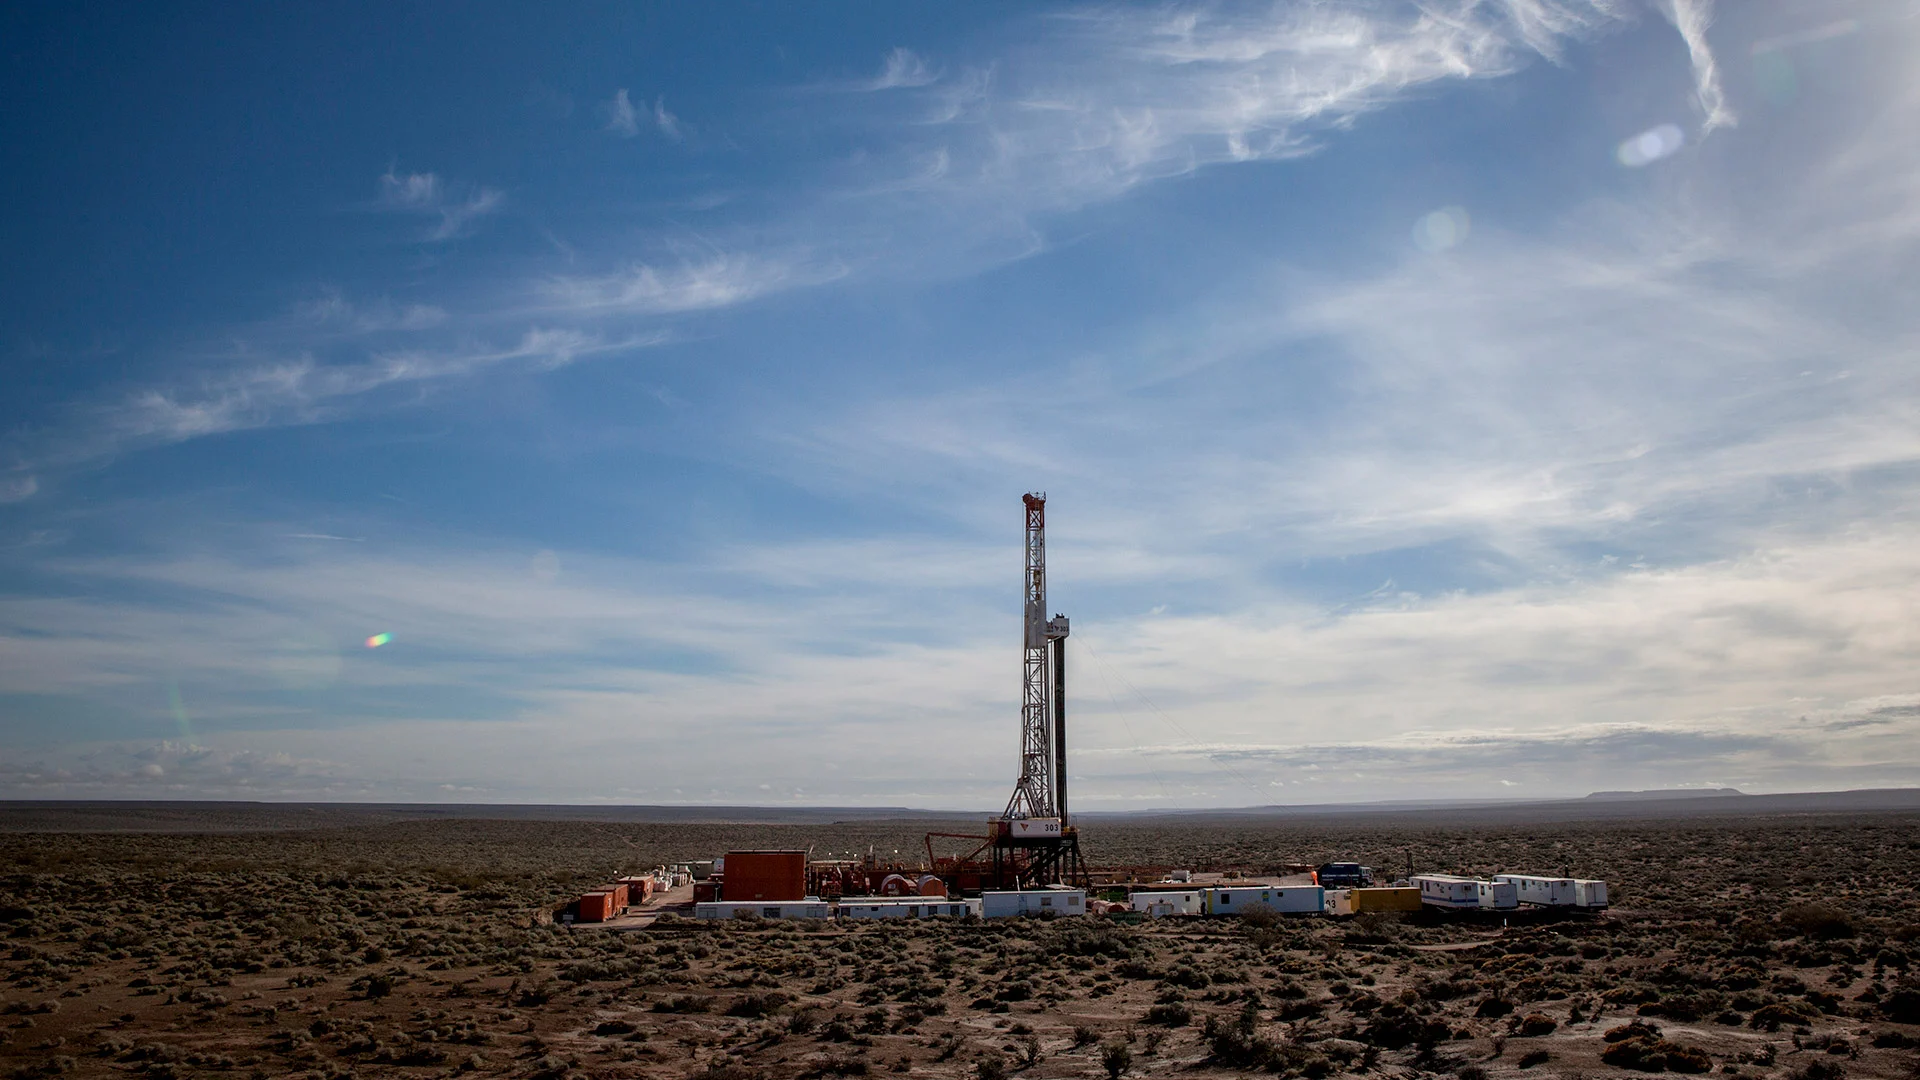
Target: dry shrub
1534	1025
1644	1051
1818	921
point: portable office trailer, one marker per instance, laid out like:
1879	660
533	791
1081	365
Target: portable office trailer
1544	891
1159	903
811	908
1588	893
901	909
1292	899
1447	891
999	905
1499	895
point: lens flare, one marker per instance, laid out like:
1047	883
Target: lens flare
1650	146
178	707
378	640
1442	229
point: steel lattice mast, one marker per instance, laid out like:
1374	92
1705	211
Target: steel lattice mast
1040	792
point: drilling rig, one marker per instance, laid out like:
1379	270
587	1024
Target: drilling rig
1032	841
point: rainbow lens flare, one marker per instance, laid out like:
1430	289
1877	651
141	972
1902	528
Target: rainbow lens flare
378	640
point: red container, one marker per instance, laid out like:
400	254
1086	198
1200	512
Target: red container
595	906
620	895
765	875
705	892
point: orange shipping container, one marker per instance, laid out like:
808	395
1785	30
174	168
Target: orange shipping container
595	907
620	896
765	875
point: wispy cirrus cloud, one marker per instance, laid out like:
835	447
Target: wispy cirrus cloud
18	488
331	310
1692	18
667	122
426	195
903	68
298	390
1108	99
699	284
624	117
982	161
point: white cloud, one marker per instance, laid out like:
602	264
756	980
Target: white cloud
331	310
1656	371
668	123
424	194
303	390
176	770
903	68
1684	377
1691	18
704	284
1084	108
414	191
622	118
18	488
1121	96
1780	670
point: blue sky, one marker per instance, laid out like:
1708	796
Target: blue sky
1458	399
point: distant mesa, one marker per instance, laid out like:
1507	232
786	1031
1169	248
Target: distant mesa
1668	793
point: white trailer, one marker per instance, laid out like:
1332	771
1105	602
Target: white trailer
1448	891
1499	895
1292	899
1160	903
1557	892
1544	891
810	908
906	909
1010	902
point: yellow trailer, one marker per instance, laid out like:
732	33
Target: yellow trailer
1383	899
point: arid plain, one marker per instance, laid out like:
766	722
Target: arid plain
263	942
